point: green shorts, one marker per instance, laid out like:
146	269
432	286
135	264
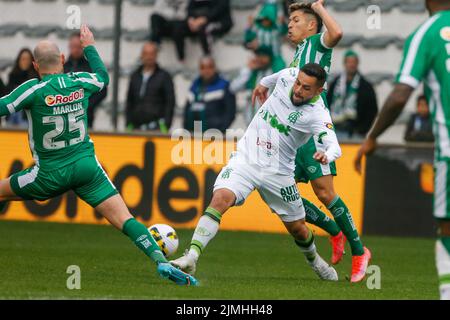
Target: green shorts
85	177
308	169
441	198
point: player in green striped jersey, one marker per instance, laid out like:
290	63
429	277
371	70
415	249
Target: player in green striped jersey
305	24
426	58
63	153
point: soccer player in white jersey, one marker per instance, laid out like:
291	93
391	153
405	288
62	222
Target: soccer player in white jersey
264	161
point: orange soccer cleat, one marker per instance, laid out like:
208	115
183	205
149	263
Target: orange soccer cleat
359	265
338	246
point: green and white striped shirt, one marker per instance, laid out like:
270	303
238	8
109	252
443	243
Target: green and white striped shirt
56	109
427	58
312	50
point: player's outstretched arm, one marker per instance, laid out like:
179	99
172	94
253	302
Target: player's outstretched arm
392	108
262	89
18	99
334	31
95	62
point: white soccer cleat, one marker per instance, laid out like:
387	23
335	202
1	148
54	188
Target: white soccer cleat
187	263
323	269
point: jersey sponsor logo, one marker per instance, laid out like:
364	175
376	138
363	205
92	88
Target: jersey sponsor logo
445	33
268	147
290	194
338	211
274	122
52	100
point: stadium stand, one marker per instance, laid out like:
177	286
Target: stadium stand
22	22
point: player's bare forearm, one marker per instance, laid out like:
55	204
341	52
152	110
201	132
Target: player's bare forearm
392	108
334	31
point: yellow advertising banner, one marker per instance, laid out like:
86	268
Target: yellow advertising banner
158	190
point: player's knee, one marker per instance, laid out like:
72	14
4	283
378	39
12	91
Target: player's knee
299	231
222	200
325	195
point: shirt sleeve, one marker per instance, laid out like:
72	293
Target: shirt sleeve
323	129
417	57
20	98
99	78
270	81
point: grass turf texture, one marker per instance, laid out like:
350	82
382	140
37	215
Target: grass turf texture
237	265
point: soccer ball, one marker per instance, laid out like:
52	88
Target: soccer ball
166	238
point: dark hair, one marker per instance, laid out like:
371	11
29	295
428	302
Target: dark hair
75	34
307	9
16	68
316	71
421	97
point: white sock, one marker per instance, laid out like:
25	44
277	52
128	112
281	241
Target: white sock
310	252
206	229
443	267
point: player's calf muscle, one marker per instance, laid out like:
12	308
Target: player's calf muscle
6	193
115	211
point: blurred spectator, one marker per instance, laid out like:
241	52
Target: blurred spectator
76	62
352	101
2	88
169	21
22	71
2	93
419	127
208	19
266	30
151	97
258	67
210	100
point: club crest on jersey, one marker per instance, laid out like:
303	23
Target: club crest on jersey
293	116
445	33
59	99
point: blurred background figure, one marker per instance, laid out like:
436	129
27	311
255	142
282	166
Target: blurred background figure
22	71
352	101
258	67
268	30
210	100
419	127
168	21
151	98
2	93
208	19
76	62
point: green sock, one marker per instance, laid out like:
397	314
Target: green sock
316	217
308	247
446	242
344	220
141	237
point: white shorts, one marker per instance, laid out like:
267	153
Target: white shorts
278	191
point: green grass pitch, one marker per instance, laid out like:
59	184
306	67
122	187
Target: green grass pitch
237	265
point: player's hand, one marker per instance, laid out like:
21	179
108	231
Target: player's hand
86	36
317	5
368	146
320	157
259	93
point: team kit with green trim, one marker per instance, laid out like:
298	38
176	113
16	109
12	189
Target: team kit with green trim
427	59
